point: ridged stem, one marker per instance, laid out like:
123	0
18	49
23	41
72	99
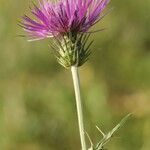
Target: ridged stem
76	82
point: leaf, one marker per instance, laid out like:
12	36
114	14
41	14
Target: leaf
107	137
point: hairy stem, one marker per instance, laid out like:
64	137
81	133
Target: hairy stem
76	82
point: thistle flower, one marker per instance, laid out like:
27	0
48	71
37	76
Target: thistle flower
67	22
63	16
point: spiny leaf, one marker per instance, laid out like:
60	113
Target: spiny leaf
107	137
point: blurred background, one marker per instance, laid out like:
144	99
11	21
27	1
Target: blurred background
37	104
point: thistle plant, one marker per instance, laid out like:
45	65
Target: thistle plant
68	24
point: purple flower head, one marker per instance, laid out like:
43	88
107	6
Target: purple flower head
62	17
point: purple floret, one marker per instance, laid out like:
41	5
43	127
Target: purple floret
62	17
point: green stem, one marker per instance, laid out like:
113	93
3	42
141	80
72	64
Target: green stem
76	83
